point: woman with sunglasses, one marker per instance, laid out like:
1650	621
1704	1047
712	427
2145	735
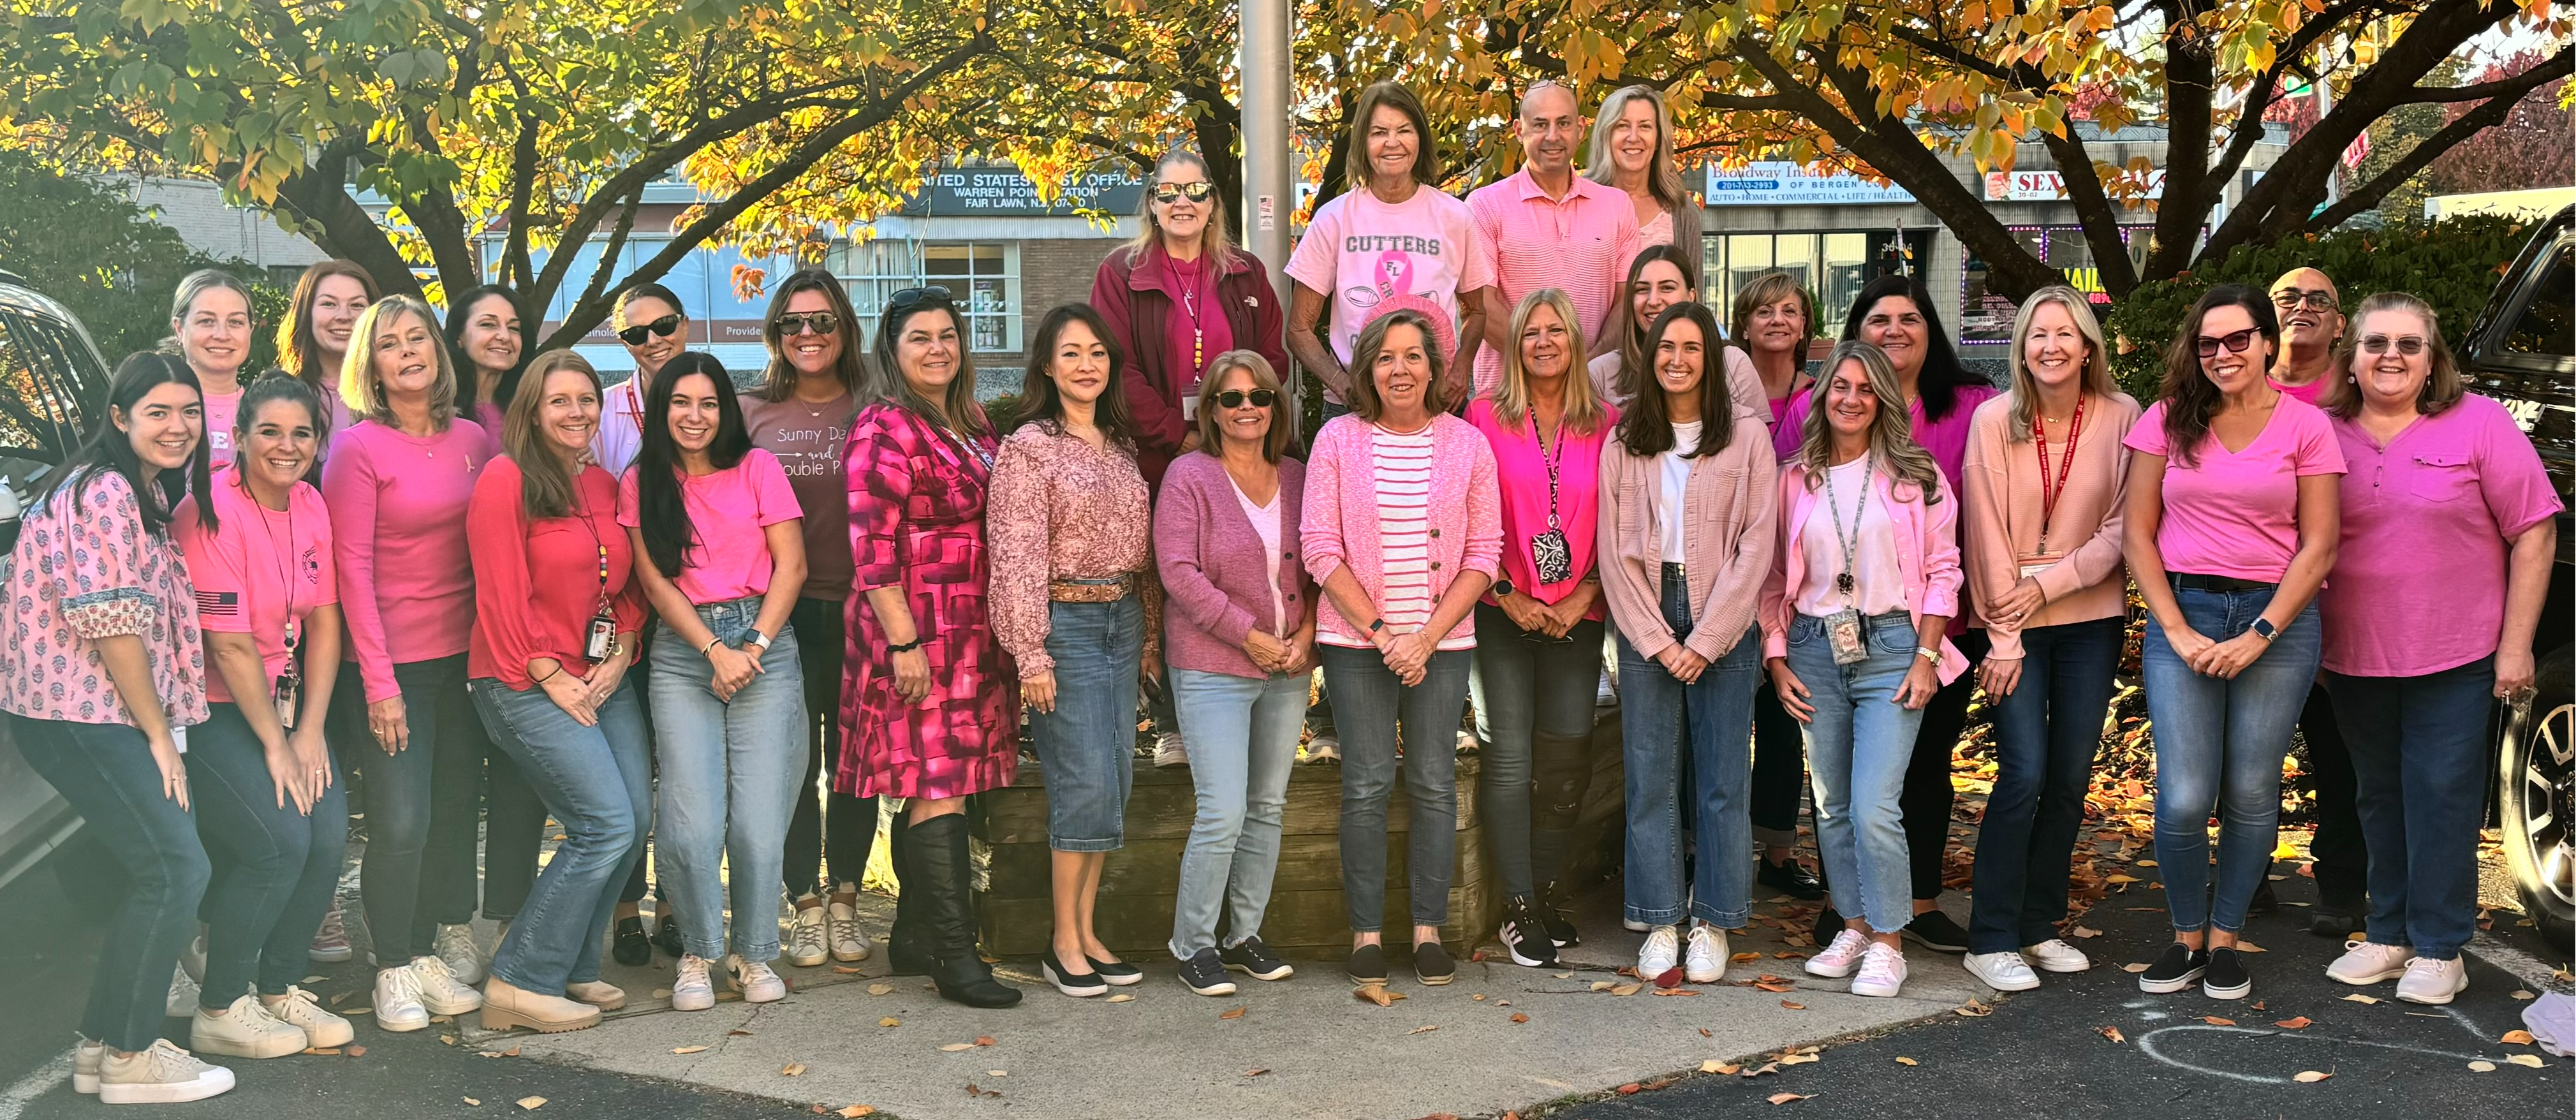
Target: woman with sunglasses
1239	631
1659	277
929	707
801	416
1537	666
650	323
2232	524
2429	619
314	339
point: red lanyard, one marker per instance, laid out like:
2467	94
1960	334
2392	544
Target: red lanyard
2050	491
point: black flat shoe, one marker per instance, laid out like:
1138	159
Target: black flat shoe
1120	973
632	948
1076	984
666	937
1367	965
1936	931
1790	878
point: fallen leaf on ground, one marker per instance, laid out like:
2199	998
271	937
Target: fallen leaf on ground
2357	997
1254	1072
2518	993
845	970
532	1104
1236	1013
321	1049
857	1110
2084	931
356	1051
1714	1066
1478	997
1704	1032
1976	1008
1122	997
2532	1060
793	1069
313	979
1676	991
1377	994
1766	1067
1902	1061
984	1040
1672	978
1627	989
1422	1030
1603	985
2300	1023
2258	1005
997	1073
1800	1058
1630	1089
1793	1006
1784	1098
1775	988
2482	1067
2310	1076
2146	863
953	1047
371	1011
1742	957
1519	1017
2140	966
880	989
471	1101
2112	1033
889	1021
1565	976
2516	1038
2117	880
686	1049
2217	1021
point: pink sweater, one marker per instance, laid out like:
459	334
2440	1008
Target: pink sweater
1338	527
1927	554
398	531
1215	580
1729	503
2002	495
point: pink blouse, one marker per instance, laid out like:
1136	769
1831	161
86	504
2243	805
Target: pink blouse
83	574
1523	473
1062	509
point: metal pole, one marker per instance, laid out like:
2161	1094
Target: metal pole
1267	160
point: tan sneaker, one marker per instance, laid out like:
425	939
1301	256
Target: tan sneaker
303	1012
809	938
244	1030
597	993
163	1074
505	1006
440	991
849	944
85	1058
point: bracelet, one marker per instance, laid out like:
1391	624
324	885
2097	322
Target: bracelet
904	647
711	644
558	671
1928	653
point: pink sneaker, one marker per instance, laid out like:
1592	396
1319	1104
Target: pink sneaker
1839	958
1882	972
331	943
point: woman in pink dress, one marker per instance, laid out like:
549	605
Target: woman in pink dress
929	703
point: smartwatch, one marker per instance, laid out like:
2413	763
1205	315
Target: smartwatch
1502	586
753	637
2264	629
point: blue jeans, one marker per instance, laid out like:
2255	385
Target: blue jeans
729	776
1374	709
1242	733
106	772
598	783
1534	698
2219	745
277	866
1088	743
2419	755
2046	733
1710	720
1858	746
420	830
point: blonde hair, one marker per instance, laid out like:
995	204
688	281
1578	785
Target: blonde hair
1891	433
1216	246
2095	381
2443	386
1511	395
545	487
364	392
1211	439
1663	173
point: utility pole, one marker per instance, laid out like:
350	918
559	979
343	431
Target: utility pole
1267	159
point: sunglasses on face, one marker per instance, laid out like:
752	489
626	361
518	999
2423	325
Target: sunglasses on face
662	328
798	322
2289	299
2235	343
2408	345
910	298
1235	398
1166	193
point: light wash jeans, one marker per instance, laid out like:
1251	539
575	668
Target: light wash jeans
1242	733
729	777
2218	747
597	781
1858	746
1704	729
1088	743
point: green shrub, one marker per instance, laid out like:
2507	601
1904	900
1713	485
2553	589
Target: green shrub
2452	264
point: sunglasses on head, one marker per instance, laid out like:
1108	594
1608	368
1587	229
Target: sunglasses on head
2235	342
1195	192
2408	345
2289	299
910	298
662	327
1234	398
798	322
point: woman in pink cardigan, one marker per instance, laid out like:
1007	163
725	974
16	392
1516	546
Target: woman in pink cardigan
1403	528
1853	619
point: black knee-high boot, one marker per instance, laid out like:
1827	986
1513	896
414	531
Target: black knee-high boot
941	875
908	948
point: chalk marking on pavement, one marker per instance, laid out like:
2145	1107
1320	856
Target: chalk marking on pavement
2147	1045
2535	974
2466	1023
14	1099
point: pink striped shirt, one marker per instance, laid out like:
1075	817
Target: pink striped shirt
1581	243
1403	466
1340	526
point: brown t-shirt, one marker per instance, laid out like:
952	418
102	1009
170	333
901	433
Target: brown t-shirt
808	439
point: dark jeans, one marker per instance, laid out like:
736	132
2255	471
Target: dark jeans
420	815
274	866
1534	700
2342	865
829	824
106	772
1376	711
1928	798
1779	771
2419	749
2046	733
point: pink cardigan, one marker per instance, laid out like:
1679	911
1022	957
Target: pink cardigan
1927	554
1728	503
1215	580
1339	525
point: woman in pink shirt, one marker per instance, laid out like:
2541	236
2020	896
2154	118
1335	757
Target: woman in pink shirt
485	339
313	342
1632	152
1538	664
2449	529
397	483
2231	525
721	555
1403	529
211	323
1774	321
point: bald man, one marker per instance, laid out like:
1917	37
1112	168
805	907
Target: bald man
2309	306
1547	227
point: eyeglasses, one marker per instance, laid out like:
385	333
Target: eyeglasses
1234	398
2289	299
662	328
2235	343
798	322
2408	345
1166	193
910	298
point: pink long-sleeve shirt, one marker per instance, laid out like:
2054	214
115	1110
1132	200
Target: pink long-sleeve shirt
1339	526
1061	509
2001	495
397	507
1927	558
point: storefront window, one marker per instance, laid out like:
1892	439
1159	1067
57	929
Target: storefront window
1831	266
1985	316
983	276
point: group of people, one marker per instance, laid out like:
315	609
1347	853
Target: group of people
732	621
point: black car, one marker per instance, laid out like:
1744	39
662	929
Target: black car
2521	350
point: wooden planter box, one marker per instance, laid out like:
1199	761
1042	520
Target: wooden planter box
1306	916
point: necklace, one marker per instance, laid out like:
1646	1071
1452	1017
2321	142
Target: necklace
1190	303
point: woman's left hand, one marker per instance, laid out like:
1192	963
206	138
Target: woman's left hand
2015	606
1921	683
2514	672
1038	692
2225	659
1409	655
605	677
312	761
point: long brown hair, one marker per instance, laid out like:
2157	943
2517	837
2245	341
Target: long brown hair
2189	396
1646	429
1040	401
852	368
1891	432
1637	352
545	487
299	353
2442	385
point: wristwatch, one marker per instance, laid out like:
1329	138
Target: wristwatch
2264	629
1502	586
752	636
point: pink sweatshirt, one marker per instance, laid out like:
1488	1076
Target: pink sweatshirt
1927	554
1339	524
398	531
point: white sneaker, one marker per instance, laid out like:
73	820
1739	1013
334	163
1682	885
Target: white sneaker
2055	955
244	1030
303	1012
331	942
85	1058
2365	962
1324	748
182	1001
440	991
1607	695
1704	958
2004	972
192	959
809	937
1169	750
454	947
398	1000
1839	958
163	1074
2431	981
1632	925
691	990
849	943
1662	950
757	982
1882	971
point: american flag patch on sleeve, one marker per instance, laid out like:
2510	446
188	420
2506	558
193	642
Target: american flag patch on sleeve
227	603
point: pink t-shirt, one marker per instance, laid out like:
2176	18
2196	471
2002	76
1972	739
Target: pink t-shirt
1581	243
1361	251
2236	513
1522	472
397	507
2419	584
728	511
2308	392
259	569
221	410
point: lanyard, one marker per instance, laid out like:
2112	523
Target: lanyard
1834	510
1552	459
2050	491
596	542
1189	302
285	564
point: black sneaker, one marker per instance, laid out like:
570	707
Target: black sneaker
1791	878
1523	936
2225	977
1934	930
2264	900
1205	974
1431	964
2336	920
1368	965
1829	925
2174	971
632	948
1254	959
1550	906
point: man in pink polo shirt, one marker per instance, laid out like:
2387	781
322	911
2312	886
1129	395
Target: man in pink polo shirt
1547	227
2311	314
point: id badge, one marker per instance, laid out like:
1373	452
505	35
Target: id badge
602	639
1550	556
2031	566
1190	405
288	690
1843	634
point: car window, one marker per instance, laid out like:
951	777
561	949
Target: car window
44	371
2548	323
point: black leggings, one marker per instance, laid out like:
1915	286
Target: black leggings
831	826
1779	770
1928	798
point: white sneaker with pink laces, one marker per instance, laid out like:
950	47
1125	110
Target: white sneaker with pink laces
1839	958
1882	972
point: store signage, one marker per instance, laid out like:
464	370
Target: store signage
2049	186
1791	184
1002	191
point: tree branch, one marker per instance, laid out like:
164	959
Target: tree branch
2431	148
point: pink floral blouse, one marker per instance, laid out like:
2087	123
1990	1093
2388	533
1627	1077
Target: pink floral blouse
83	574
1063	509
